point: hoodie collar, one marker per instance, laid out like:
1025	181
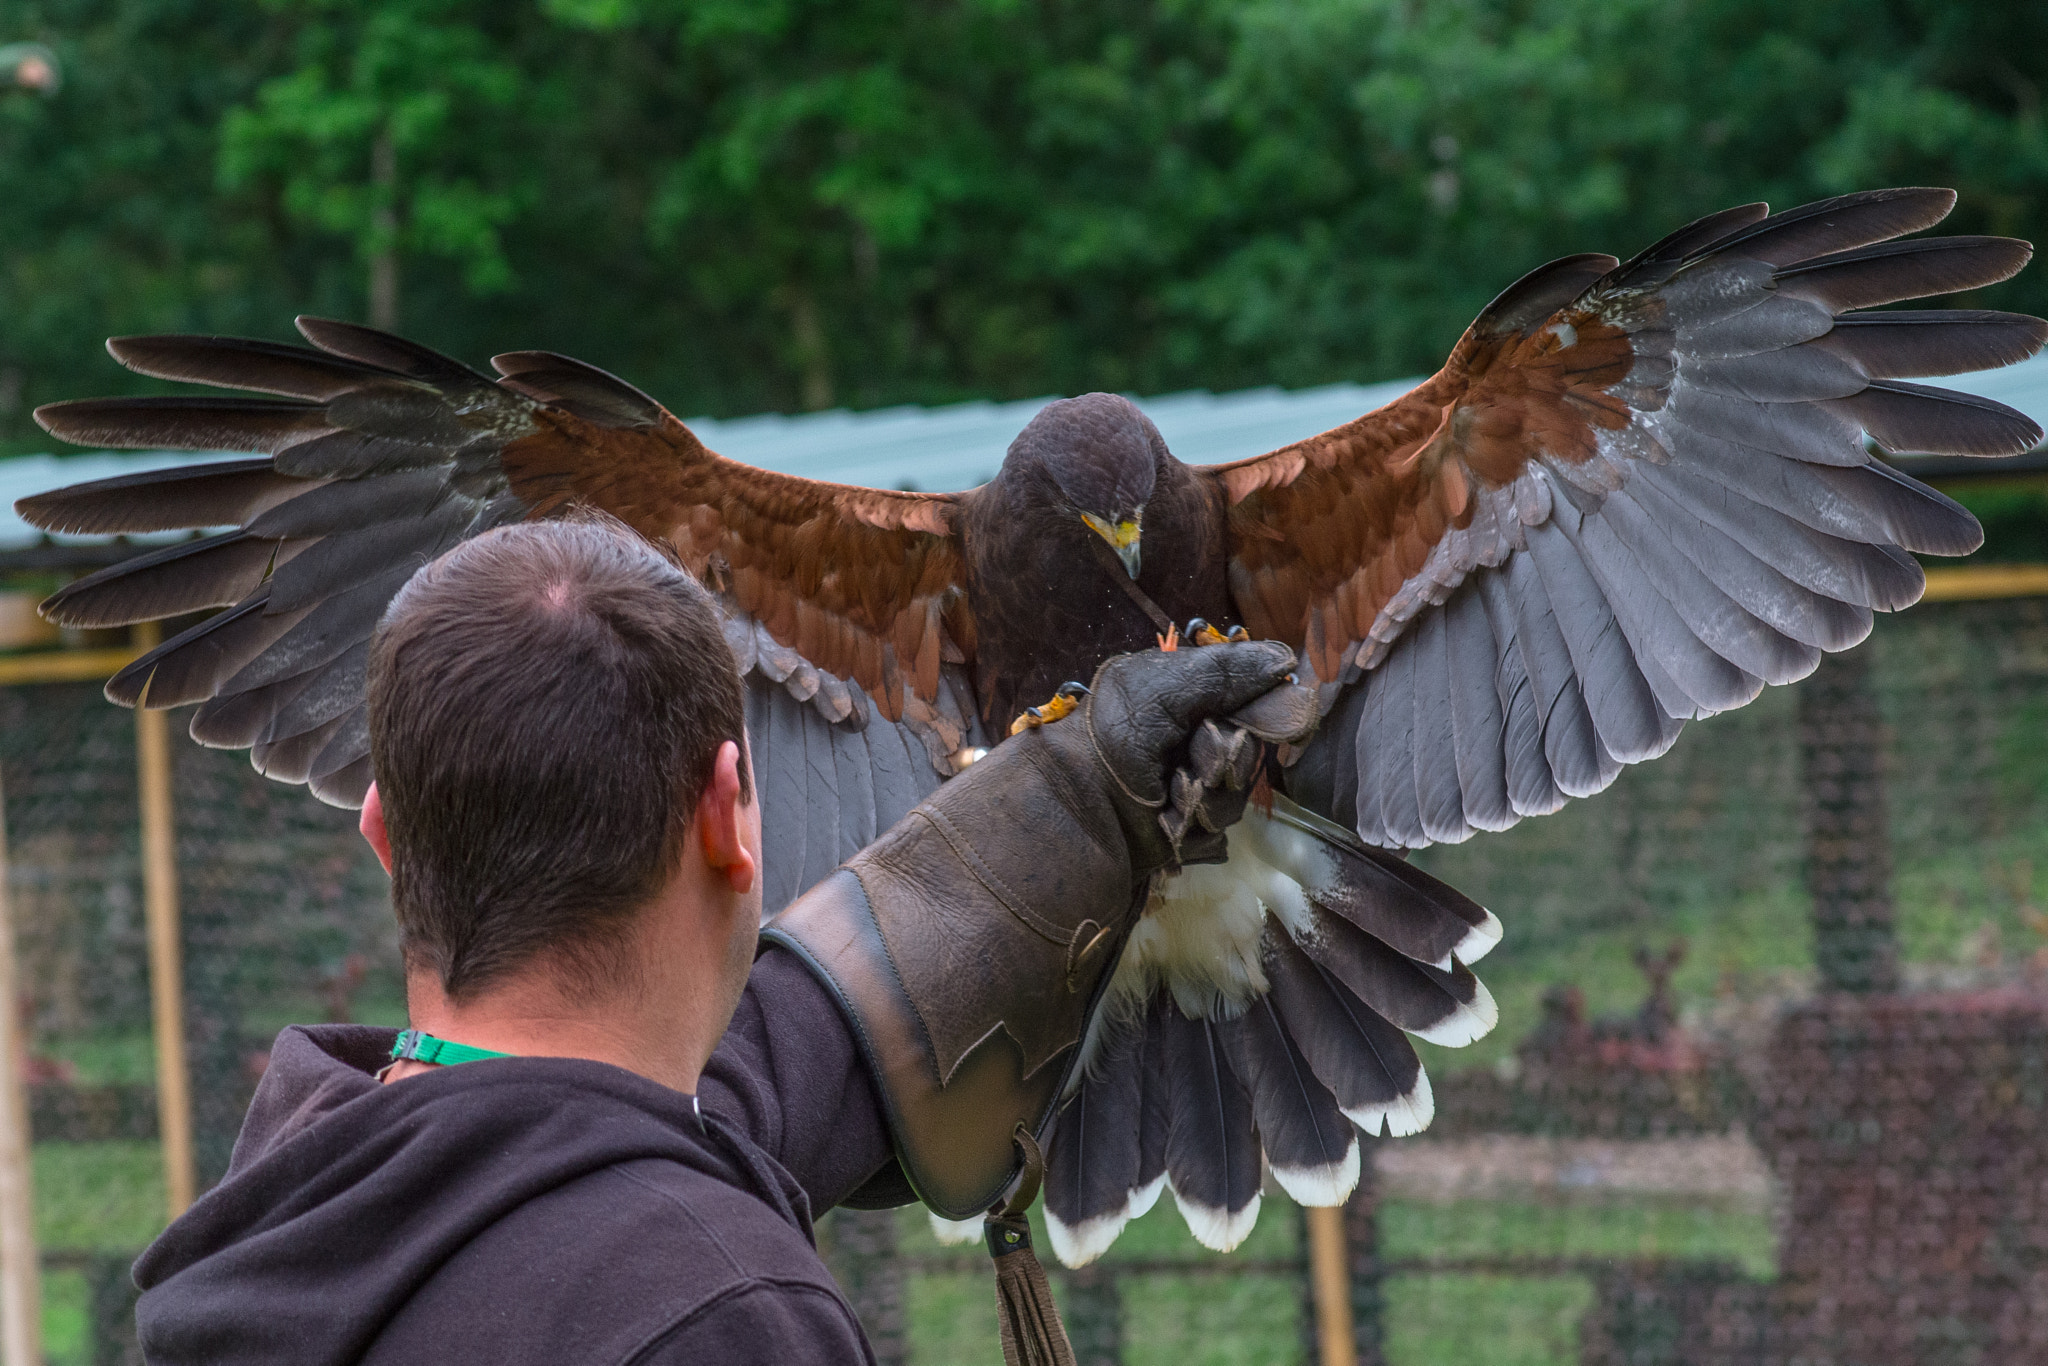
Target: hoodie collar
343	1193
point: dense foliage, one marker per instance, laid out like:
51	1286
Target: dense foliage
756	204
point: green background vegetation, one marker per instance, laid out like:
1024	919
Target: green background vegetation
748	205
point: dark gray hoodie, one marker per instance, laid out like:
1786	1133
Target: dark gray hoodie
541	1210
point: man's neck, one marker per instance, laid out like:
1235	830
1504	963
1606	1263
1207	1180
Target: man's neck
530	1019
690	947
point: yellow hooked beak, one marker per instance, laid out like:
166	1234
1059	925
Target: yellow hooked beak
1122	538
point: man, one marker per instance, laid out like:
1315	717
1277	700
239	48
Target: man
604	1140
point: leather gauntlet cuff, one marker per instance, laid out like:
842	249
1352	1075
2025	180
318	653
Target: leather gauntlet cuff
967	990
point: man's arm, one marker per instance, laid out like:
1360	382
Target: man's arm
789	1076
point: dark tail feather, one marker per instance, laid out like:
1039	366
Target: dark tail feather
1378	891
1450	1008
1155	1111
1093	1154
1309	1144
1212	1147
1366	1062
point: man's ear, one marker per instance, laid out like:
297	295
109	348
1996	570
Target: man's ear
720	821
372	826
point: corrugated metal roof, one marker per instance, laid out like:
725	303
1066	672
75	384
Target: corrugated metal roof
959	445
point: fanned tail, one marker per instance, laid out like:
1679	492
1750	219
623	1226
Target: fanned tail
1262	1010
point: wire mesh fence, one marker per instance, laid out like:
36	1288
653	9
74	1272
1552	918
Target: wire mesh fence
1770	1085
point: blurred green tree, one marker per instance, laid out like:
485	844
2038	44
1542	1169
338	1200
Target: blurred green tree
775	204
383	136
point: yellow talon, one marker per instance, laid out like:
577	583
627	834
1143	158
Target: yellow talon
1202	633
1061	706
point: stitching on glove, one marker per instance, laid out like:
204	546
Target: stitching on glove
1147	802
1014	904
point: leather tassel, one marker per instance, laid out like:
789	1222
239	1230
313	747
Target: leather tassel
1032	1332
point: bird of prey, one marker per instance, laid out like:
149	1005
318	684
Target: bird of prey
1635	493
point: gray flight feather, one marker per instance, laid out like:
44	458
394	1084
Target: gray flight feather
1475	711
1631	725
1775	600
1715	618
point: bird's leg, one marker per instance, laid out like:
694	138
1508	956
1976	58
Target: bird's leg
1061	704
1200	632
1169	642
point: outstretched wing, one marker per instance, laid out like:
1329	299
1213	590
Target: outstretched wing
1634	495
381	454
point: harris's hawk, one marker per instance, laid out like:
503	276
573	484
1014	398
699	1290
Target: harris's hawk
1635	494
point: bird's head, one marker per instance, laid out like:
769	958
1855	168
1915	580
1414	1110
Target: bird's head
1101	456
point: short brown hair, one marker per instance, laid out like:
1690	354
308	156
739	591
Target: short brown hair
546	705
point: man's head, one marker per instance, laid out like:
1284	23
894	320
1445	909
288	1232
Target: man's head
548	704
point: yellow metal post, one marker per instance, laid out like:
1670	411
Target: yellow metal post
21	1296
166	959
1331	1282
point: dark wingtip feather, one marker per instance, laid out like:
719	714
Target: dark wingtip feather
182	422
345	787
1839	224
1917	268
1911	418
385	351
241	363
188	577
1542	292
226	493
1695	237
590	393
1918	343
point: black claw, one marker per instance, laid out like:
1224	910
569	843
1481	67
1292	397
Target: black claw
1071	689
1195	626
1238	634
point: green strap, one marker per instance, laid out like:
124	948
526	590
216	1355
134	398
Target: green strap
416	1045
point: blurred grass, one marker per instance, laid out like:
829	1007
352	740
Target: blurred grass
67	1319
104	1059
90	1197
1432	1319
1485	1320
98	1197
1591	1226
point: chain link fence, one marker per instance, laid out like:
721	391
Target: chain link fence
1770	1084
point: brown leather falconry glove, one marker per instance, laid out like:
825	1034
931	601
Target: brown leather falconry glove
970	943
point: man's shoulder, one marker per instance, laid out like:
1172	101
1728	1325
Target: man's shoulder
623	1257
